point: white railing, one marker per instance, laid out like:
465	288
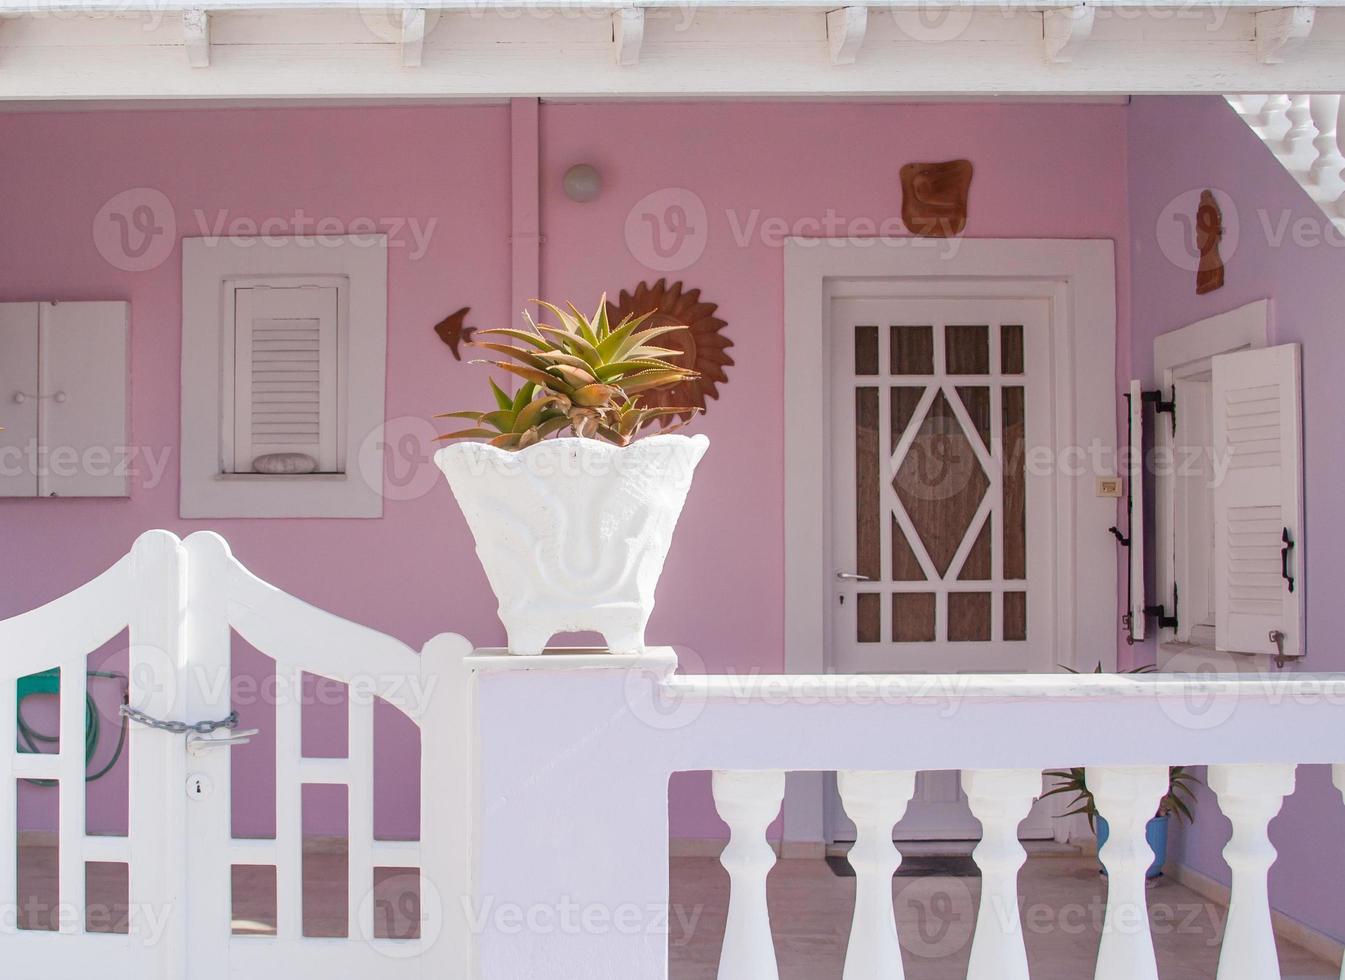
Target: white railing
574	755
1304	133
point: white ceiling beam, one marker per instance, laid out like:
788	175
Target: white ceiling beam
413	37
1279	33
196	37
1066	31
846	28
628	35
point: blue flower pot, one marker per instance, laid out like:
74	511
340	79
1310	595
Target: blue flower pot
1156	833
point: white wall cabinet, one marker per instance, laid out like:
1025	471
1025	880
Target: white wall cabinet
63	399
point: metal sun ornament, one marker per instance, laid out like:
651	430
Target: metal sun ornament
702	347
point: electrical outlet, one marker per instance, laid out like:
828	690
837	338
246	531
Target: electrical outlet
1109	486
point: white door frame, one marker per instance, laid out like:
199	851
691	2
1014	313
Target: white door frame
1078	277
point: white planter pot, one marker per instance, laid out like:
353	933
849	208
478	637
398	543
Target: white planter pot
573	533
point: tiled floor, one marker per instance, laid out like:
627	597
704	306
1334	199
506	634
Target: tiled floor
1062	895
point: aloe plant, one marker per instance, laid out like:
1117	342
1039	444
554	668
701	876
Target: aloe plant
585	375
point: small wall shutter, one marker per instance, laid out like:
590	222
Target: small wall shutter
1258	502
285	375
1135	490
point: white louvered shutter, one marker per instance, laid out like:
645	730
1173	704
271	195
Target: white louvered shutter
1258	503
286	378
1135	525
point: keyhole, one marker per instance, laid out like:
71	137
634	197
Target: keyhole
198	787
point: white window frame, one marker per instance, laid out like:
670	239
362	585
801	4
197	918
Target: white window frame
210	268
1187	353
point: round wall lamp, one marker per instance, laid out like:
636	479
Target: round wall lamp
582	183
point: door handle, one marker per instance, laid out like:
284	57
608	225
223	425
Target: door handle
853	577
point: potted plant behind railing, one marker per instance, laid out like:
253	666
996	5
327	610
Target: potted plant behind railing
573	530
1181	783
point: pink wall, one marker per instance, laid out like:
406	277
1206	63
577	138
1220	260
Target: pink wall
759	170
1180	144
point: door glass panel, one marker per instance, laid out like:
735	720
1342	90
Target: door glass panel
1015	615
967	348
913	617
905	566
940	483
976	400
904	402
977	566
866	350
1015	486
1011	349
869	612
912	350
968	616
867	505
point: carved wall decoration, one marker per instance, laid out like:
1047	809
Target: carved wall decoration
1209	235
452	331
934	197
703	347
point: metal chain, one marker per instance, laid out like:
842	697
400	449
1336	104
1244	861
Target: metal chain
180	727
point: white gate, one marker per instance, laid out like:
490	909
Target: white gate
180	601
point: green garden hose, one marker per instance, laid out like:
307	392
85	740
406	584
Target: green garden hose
31	740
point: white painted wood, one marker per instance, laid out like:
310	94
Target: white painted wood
875	802
1078	280
196	37
413	37
1128	799
19	401
846	29
1258	431
1184	517
1000	799
329	52
157	597
1135	527
1066	31
1325	170
83	393
748	802
627	35
1298	138
1280	33
1250	796
286	379
359	262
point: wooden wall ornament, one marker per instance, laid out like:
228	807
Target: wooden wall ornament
702	347
452	331
934	197
1209	235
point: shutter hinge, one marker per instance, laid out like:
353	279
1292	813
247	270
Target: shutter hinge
1161	406
1164	620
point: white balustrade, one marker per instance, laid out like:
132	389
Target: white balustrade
1250	796
1300	132
875	801
1325	169
1304	133
748	802
1000	800
1127	798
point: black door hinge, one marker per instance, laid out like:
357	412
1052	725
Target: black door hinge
1161	406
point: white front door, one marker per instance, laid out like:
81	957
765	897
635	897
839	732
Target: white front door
941	518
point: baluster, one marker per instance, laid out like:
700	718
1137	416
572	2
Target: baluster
748	802
1250	796
1325	170
1000	800
1273	112
875	801
1301	130
1128	799
1340	133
